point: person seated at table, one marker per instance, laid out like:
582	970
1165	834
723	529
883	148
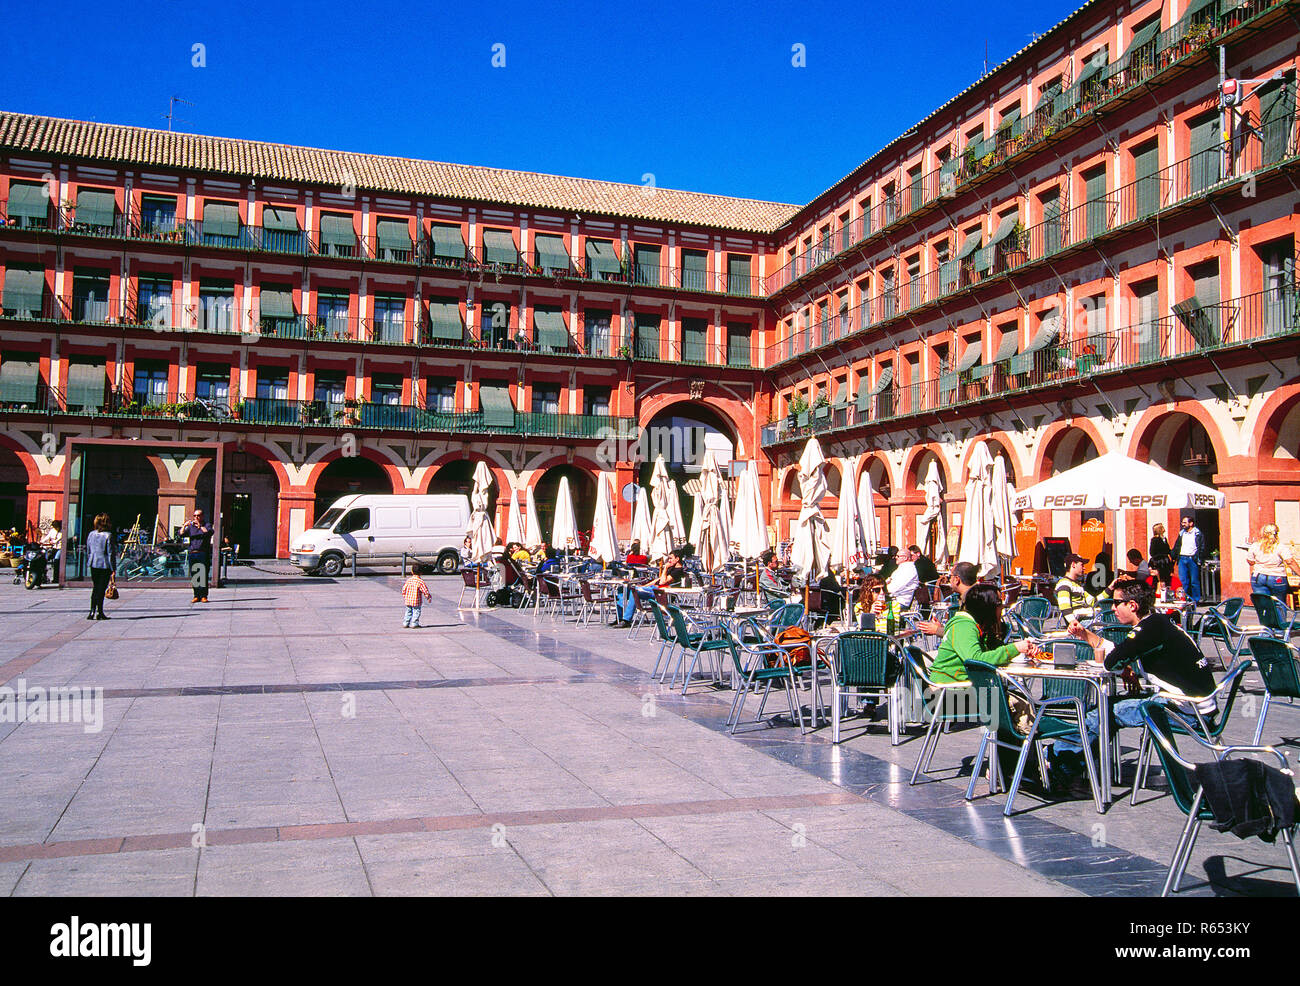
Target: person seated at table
1138	569
928	574
517	553
961	580
550	563
886	562
975	633
768	580
1168	657
832	596
671	575
1073	598
903	583
635	556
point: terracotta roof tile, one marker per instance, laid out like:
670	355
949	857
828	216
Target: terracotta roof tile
111	143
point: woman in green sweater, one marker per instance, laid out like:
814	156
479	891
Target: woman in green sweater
974	633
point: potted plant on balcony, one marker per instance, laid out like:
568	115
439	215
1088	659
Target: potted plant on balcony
1198	36
625	352
237	411
1017	249
352	410
822	407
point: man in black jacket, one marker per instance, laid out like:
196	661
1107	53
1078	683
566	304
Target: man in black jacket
1168	657
928	575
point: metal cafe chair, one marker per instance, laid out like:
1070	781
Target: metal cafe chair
1277	666
948	703
750	662
1002	731
1190	799
1208	728
1277	620
860	666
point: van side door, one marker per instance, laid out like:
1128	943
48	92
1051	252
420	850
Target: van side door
354	529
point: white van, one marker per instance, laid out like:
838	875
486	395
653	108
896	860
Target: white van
380	529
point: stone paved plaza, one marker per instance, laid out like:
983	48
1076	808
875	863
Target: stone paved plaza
290	738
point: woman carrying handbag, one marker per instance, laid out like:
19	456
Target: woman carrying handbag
101	555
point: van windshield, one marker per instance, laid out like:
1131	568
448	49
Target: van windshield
327	519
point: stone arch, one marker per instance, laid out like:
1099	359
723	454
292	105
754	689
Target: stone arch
1278	426
918	464
997	442
733	413
878	466
582	487
1159	429
1070	443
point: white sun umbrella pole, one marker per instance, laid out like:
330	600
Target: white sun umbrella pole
642	532
867	516
480	533
1004	538
604	542
564	532
661	522
675	512
712	545
931	521
533	528
748	532
811	549
697	515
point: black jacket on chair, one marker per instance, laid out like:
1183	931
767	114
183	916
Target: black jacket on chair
1248	797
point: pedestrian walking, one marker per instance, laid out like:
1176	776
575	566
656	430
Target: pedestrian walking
101	556
198	555
414	590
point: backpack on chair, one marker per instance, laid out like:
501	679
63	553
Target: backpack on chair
798	647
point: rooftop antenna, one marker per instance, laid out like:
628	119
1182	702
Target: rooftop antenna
170	116
986	58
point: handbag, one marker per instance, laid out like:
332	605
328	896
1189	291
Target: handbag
111	592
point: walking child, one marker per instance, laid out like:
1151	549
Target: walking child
413	591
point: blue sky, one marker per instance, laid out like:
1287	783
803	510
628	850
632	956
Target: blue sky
703	98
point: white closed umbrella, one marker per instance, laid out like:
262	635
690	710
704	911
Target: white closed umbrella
977	534
642	532
532	529
675	512
748	532
847	540
811	551
1004	536
564	532
931	523
514	520
724	514
712	545
480	533
697	515
661	519
867	516
604	542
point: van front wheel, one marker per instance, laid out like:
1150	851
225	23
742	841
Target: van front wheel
331	565
448	563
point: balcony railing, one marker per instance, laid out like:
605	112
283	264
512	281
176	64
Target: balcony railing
1074	103
1195	330
1181	182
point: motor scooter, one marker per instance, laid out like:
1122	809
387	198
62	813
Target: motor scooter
33	570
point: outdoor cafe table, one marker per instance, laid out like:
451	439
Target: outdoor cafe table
1177	609
1102	683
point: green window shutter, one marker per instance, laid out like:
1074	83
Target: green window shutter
337	231
1096	212
1199	12
24	289
1008	346
20	376
1277	118
96	207
647	336
444	319
86	385
552	255
1008	124
220	219
1197	321
1146	163
1142	37
738	343
1005	227
947	384
280	219
984	259
1093	66
499	247
601	260
393	234
883	381
1206	156
494	401
549	329
1045	336
276	302
864	397
969	245
28	201
738	274
695	275
1046	100
695	334
647	264
448	243
970	357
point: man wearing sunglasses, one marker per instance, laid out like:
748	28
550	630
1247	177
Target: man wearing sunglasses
1166	655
